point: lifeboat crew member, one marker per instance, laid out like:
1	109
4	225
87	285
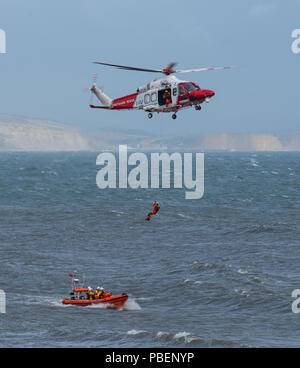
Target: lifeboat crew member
90	293
99	293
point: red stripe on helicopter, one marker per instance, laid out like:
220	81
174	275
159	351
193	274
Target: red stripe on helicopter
126	102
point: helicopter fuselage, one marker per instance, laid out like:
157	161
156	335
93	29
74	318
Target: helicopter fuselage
164	94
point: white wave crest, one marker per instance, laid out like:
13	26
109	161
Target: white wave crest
187	337
136	332
161	334
181	335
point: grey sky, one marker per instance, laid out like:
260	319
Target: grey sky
51	47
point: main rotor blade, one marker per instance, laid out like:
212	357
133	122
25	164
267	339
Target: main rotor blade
168	70
203	69
131	67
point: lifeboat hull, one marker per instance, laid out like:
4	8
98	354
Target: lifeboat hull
116	301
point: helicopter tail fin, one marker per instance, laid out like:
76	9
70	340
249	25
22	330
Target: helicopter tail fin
102	97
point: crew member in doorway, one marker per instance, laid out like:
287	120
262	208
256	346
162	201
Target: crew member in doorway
167	97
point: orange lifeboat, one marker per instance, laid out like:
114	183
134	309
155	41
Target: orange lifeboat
78	296
116	301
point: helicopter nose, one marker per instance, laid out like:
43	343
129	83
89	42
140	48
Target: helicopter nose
198	94
209	93
201	94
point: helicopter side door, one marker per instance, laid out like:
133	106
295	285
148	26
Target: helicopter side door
164	96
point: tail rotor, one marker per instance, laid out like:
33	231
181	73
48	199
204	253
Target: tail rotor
98	91
92	88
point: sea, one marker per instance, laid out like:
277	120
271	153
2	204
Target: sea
219	271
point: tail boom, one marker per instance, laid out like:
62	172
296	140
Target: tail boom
121	103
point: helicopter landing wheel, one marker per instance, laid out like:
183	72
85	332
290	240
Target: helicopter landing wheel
174	116
198	107
150	115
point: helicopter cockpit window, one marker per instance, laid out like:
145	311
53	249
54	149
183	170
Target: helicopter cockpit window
191	87
181	90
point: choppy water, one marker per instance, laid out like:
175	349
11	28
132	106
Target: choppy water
212	272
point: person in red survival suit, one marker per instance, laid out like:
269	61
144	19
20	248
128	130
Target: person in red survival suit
156	208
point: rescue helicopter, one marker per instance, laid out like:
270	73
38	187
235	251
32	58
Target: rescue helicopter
164	94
